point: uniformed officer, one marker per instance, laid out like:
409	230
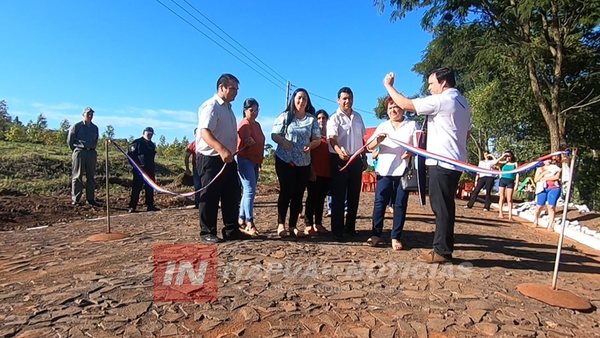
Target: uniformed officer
143	151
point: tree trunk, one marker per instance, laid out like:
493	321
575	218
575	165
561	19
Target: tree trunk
549	116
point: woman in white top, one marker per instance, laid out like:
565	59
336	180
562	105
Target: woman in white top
392	162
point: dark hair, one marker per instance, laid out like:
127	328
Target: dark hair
512	156
226	79
310	109
321	111
248	103
388	100
346	90
445	74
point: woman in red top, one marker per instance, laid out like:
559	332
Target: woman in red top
251	144
318	184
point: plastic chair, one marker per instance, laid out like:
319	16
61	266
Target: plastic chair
369	181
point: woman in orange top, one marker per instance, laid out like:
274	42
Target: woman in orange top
251	144
318	184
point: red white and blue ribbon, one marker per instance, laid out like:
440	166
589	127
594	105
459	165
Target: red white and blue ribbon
462	165
157	187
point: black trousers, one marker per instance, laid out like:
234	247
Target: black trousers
488	183
226	189
315	199
292	183
345	185
136	188
442	187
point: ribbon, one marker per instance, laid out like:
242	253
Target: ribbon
465	166
157	187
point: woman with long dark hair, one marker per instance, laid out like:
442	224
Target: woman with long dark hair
296	132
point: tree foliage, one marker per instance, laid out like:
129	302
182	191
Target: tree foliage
530	69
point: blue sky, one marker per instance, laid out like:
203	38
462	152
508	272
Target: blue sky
138	65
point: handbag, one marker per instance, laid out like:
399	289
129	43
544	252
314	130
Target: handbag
408	180
365	162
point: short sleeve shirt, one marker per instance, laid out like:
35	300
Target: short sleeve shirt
299	132
389	161
349	131
448	124
216	115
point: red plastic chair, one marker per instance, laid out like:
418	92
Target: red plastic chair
369	181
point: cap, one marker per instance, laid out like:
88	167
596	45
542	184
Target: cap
149	129
88	110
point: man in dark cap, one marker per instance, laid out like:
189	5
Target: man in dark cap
143	151
82	139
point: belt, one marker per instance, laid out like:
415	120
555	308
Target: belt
86	148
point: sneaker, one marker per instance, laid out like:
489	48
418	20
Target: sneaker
152	208
93	203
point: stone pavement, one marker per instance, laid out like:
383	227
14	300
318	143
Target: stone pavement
55	284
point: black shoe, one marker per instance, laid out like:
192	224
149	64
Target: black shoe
339	238
351	233
152	208
210	239
131	210
93	203
233	235
196	206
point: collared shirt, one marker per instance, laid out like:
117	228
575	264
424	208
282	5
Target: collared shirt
216	115
448	125
300	132
389	161
83	136
349	131
486	164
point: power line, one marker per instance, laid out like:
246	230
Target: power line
220	45
234	40
333	101
224	40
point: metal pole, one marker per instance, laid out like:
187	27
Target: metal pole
564	219
107	187
287	93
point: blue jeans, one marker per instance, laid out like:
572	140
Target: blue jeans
248	172
388	187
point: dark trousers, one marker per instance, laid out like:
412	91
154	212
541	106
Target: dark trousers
226	189
389	189
317	191
136	188
292	183
488	183
84	163
442	187
345	185
197	186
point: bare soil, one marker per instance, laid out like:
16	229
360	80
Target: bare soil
55	283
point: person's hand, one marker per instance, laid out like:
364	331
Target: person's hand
287	145
405	155
306	149
343	154
226	155
388	80
381	137
250	142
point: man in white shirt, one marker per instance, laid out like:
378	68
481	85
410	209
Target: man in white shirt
216	142
345	131
484	181
448	124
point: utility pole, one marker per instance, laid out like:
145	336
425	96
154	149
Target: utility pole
287	93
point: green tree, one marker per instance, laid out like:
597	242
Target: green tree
5	120
16	133
109	132
553	42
